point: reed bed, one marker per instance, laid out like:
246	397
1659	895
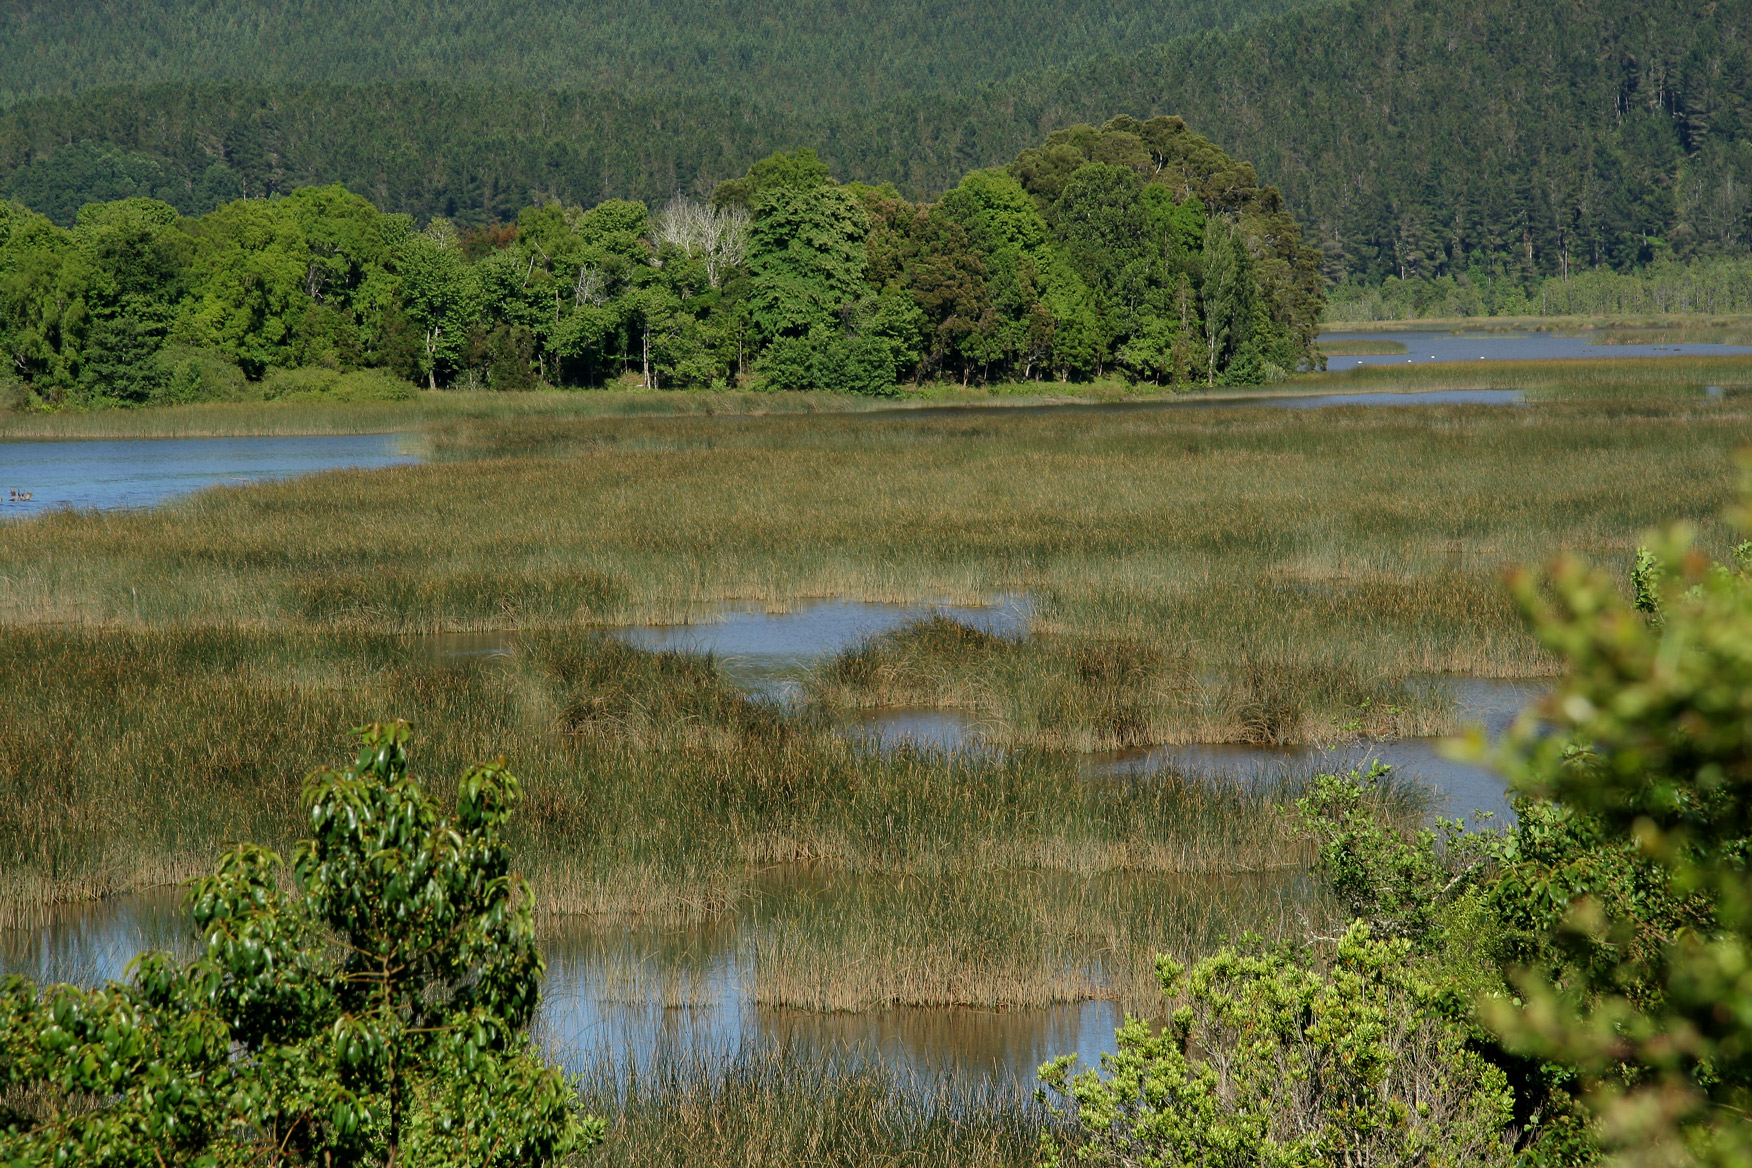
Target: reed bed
267	418
129	758
1702	321
1089	692
1271	574
1361	348
1633	378
780	1107
1008	940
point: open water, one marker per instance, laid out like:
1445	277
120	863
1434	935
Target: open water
1422	348
111	474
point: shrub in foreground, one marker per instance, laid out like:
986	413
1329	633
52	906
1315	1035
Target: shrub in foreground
1270	1062
376	1013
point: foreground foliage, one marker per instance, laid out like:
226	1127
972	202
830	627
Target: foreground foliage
1268	1061
1642	978
1584	978
376	1015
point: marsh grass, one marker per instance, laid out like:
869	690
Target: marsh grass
129	758
1370	348
1647	379
1235	573
1624	320
1004	940
1722	333
778	1106
243	419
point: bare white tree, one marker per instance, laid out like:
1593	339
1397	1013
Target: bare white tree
591	287
442	232
716	235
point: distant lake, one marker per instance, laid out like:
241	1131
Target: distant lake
141	472
1423	348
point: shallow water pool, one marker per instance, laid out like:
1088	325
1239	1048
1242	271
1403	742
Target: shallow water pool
140	472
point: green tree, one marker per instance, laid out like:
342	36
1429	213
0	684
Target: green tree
1630	911
805	258
437	296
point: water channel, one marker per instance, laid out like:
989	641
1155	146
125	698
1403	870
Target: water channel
638	994
1473	345
108	474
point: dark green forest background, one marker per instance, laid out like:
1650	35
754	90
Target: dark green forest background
1480	139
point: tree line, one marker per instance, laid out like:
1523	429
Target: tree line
1137	249
1712	286
1417	139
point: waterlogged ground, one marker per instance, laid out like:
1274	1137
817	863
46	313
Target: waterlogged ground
631	993
769	654
639	996
1422	348
141	472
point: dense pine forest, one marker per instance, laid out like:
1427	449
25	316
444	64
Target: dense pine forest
1137	249
1474	139
799	53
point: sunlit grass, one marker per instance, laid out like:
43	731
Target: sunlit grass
1624	320
1361	348
1227	573
779	1107
238	419
654	790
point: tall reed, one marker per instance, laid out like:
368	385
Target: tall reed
1251	551
130	757
782	1107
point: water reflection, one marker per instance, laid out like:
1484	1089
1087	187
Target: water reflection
93	941
1463	788
142	472
767	653
632	997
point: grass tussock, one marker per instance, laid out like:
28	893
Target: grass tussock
1088	692
1007	940
776	1107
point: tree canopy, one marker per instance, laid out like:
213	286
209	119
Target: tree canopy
1137	249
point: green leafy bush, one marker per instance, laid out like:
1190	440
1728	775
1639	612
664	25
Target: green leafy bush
1629	883
1266	1061
318	384
1396	882
190	374
376	1013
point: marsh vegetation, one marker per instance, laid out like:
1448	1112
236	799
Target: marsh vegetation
1238	573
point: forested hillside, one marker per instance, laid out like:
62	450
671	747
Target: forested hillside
802	54
1413	137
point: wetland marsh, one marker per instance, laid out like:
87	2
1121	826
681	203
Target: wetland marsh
673	626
